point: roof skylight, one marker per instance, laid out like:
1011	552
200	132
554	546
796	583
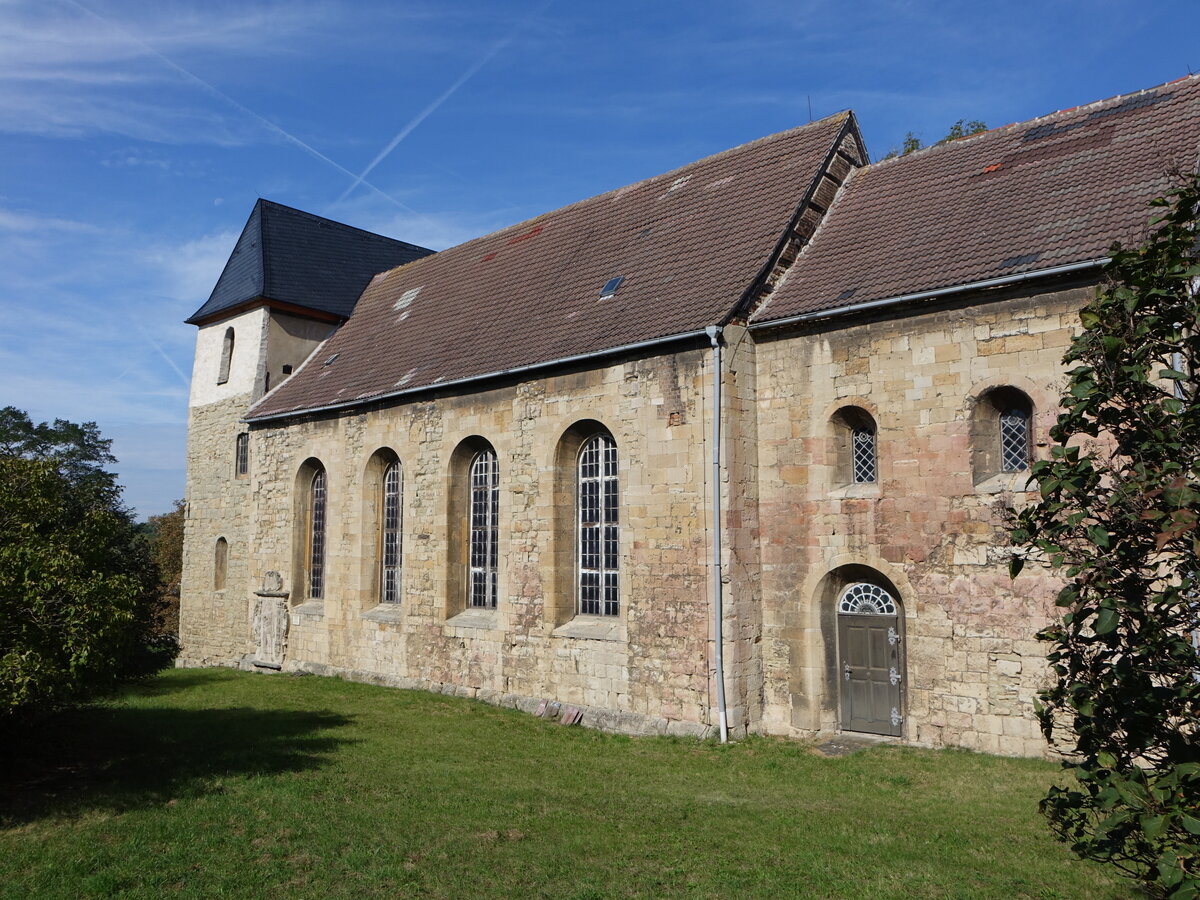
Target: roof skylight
610	287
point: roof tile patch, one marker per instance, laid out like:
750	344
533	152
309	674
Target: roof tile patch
1049	193
508	301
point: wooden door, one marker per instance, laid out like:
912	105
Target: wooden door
870	673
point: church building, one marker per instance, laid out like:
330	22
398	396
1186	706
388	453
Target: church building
727	450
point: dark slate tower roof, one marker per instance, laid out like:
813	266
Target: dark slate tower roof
292	258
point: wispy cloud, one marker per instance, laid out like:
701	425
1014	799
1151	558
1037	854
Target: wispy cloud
442	98
34	224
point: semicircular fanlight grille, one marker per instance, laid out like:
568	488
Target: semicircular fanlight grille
864	599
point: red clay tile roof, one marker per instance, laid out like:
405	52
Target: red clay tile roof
1023	198
688	243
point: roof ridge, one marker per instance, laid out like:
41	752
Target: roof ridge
319	218
262	245
1045	117
526	223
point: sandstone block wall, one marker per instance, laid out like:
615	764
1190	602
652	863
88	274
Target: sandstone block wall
931	526
649	668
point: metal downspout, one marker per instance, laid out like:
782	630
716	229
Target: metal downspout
714	335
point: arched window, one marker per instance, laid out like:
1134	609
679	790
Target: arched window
599	527
220	564
485	534
226	356
391	524
1001	433
862	446
316	536
241	465
856	452
865	599
1014	440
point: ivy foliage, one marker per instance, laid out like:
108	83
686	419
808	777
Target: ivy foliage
78	584
1117	517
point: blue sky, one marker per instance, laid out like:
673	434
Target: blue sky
136	136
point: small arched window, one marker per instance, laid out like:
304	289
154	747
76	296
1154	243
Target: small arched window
485	533
316	536
241	465
226	356
390	532
1001	433
220	564
599	527
856	451
1014	440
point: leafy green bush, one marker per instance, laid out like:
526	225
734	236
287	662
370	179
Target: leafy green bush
77	582
1118	515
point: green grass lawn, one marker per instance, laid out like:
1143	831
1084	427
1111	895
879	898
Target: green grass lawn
211	783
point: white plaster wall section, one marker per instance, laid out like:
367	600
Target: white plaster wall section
250	333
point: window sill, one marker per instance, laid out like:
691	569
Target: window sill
1006	482
385	612
475	618
594	628
314	609
864	490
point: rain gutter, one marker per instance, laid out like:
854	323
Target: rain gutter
937	292
499	373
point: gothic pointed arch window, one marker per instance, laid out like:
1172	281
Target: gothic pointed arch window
598	527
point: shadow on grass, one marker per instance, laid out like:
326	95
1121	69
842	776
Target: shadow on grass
118	758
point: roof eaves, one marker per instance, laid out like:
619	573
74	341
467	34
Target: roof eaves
1002	281
500	373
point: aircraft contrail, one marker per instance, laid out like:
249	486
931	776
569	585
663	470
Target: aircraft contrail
187	382
267	123
442	98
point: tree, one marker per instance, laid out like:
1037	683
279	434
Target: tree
959	129
77	581
1118	515
165	534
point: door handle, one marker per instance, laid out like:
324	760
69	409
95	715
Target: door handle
846	670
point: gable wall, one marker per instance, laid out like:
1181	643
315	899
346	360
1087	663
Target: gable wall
973	663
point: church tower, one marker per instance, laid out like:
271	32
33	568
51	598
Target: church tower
291	280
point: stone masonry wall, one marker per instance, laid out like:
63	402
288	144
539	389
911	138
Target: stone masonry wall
647	670
930	526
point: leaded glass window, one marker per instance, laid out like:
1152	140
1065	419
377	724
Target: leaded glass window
863	455
485	535
865	599
1014	440
599	527
316	537
393	485
242	455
